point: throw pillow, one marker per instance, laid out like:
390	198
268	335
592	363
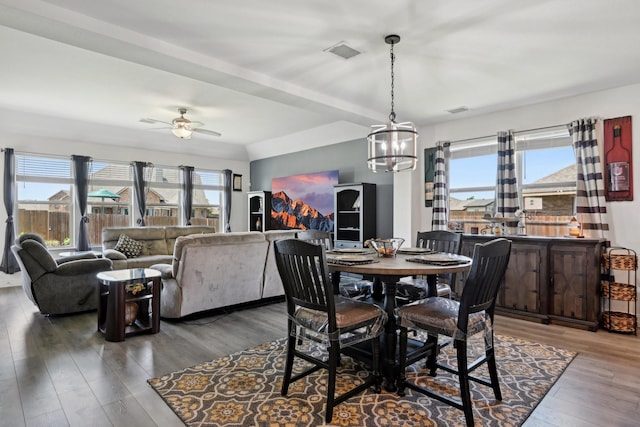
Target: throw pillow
131	248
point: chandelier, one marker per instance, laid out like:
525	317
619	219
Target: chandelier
392	146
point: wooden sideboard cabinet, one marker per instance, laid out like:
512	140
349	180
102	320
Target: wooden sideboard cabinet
549	279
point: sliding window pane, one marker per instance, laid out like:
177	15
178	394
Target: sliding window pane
163	197
109	199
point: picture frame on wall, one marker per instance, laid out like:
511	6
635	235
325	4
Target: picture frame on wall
429	175
237	182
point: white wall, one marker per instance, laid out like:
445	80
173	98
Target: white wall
625	101
39	145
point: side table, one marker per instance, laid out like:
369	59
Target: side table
114	298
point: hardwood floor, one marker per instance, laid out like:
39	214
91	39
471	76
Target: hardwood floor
58	371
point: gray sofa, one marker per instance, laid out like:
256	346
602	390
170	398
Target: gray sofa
157	244
212	271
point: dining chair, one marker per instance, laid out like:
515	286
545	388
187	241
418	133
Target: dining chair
315	314
472	315
318	237
410	289
351	284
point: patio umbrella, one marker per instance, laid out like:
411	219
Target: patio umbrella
104	194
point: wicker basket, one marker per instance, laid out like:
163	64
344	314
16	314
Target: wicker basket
619	261
619	322
618	291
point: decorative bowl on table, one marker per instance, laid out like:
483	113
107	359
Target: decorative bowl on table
386	247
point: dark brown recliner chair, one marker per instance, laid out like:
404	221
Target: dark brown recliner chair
63	286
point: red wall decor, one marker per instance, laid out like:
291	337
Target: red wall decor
618	164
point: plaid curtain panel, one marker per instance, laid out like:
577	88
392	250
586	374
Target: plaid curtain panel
441	188
507	202
590	200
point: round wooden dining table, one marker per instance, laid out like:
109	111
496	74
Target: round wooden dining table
386	272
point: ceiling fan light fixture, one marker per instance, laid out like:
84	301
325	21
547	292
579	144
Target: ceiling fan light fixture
181	125
392	147
182	132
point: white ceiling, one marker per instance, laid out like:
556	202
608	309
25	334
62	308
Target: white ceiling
257	71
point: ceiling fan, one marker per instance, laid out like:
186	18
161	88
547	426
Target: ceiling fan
182	127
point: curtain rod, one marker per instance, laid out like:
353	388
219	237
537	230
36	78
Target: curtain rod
517	131
68	157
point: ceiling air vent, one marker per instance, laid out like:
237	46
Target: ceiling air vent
342	50
458	110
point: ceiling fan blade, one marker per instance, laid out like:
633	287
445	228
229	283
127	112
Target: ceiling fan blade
153	121
207	132
195	124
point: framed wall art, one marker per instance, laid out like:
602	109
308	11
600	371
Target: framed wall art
237	182
618	165
429	175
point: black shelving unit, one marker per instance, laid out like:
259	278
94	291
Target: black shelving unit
259	210
355	214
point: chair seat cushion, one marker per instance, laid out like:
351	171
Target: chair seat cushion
350	314
409	289
439	315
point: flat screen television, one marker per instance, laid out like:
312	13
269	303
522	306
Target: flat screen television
303	201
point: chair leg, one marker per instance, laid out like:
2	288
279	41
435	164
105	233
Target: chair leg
463	375
334	354
377	373
288	368
431	363
402	360
493	371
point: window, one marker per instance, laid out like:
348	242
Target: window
109	197
208	189
163	197
45	200
545	164
46	203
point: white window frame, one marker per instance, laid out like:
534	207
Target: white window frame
547	138
211	187
40	178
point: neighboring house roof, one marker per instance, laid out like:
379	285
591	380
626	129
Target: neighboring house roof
564	175
456	204
463	205
567	174
478	203
60	196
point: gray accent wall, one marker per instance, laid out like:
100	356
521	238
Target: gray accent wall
350	158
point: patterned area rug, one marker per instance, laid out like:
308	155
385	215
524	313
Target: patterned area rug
243	389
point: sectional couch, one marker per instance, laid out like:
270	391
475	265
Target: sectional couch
202	270
210	271
157	244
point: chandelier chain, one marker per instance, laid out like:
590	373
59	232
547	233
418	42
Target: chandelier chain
392	115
